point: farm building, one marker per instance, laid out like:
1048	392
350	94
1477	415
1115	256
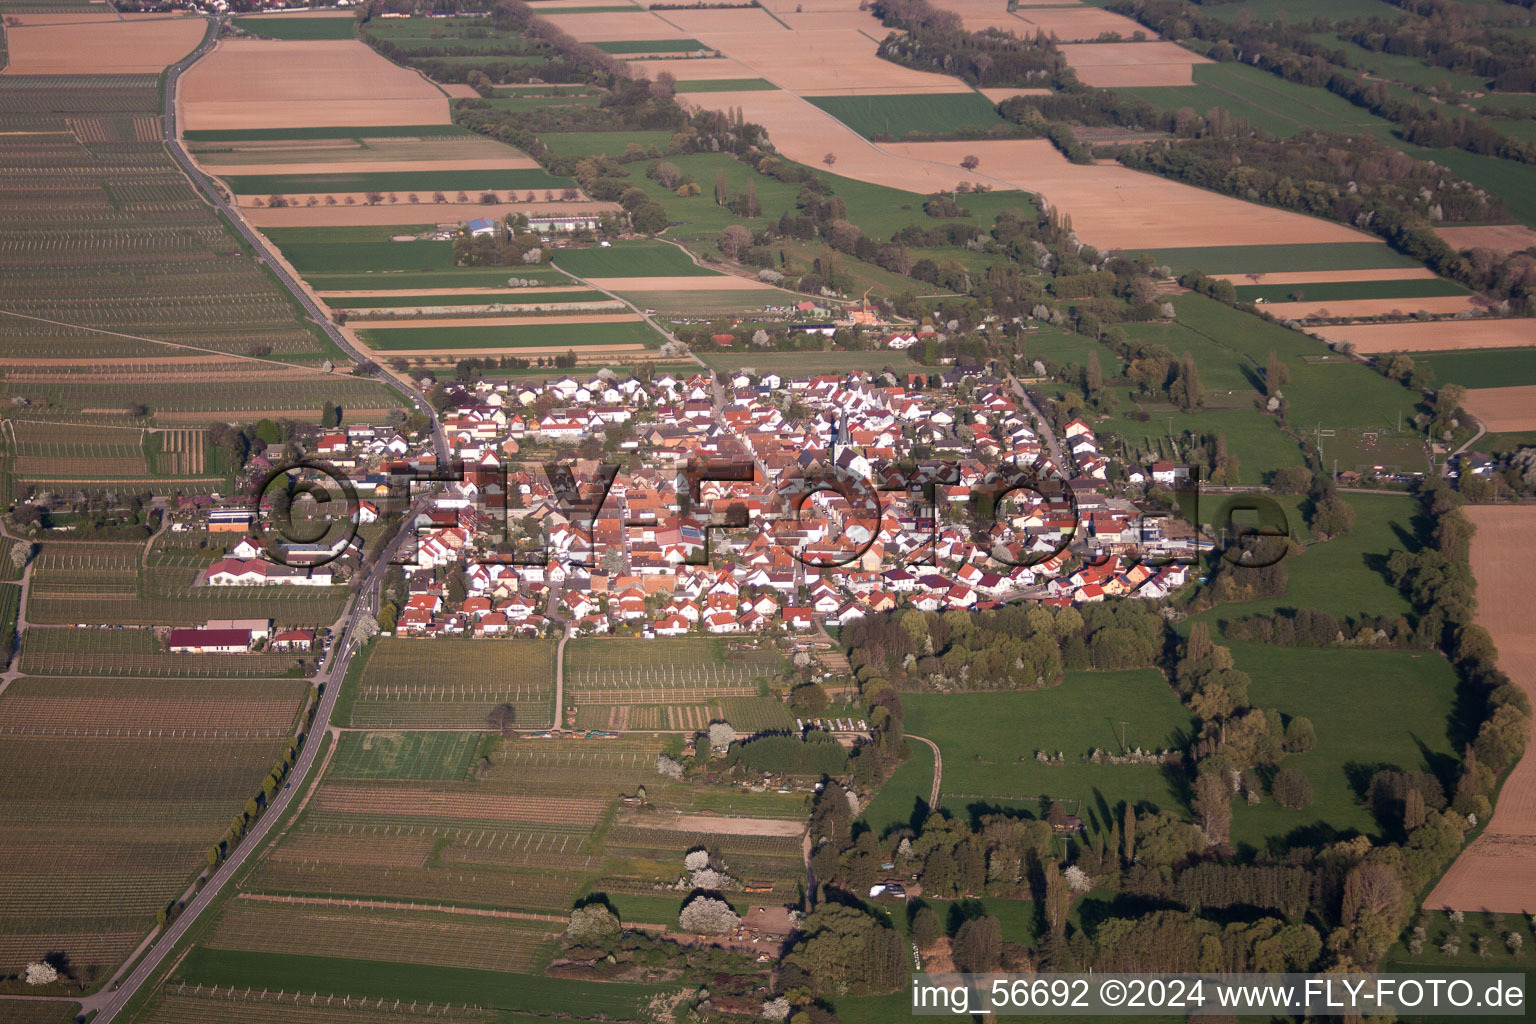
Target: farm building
573	222
293	640
210	641
256	572
480	227
259	629
230	520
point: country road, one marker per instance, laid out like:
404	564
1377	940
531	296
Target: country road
257	242
937	789
113	996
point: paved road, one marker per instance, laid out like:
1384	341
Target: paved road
216	197
1046	433
344	646
332	672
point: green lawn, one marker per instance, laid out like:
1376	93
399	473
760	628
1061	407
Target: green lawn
895	117
1066	348
1341	291
989	741
1482	367
1253	437
883	211
411	982
277	26
554	334
1267	259
630	259
395	181
651	46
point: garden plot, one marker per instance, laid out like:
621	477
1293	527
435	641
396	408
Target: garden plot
305	84
99	44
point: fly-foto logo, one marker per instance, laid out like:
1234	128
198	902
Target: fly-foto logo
825	517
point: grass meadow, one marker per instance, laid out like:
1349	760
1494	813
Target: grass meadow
1272	259
896	117
989	742
1482	368
1264	100
630	259
395	181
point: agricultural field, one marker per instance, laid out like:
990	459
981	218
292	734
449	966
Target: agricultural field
895	117
405	755
548	335
1278	258
665	670
453	684
1494	872
284	26
94	846
989	741
1481	368
630	259
137	652
1266	101
746	714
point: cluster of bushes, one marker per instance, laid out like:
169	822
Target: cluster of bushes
933	39
1304	627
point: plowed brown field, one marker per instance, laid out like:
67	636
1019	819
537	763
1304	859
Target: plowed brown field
1498	872
98	44
1434	337
1504	410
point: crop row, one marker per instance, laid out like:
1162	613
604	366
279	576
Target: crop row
543	889
198	1004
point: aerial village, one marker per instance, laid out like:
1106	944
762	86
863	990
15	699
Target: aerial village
765	540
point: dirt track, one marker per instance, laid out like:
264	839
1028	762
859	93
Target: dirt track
1498	872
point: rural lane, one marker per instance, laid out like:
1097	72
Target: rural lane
257	242
936	790
343	648
109	1001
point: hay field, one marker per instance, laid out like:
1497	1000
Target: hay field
98	44
307	84
722	283
1504	410
1498	871
1445	336
1504	237
506	321
1121	65
615	27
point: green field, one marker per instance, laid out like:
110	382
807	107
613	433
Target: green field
630	259
405	299
277	26
1268	259
405	755
1483	367
651	46
801	363
612	143
1515	183
1065	348
1252	437
405	131
410	982
1340	291
909	785
1339	394
1371	709
726	85
989	741
1264	100
323	257
896	117
343	278
395	181
552	335
746	300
